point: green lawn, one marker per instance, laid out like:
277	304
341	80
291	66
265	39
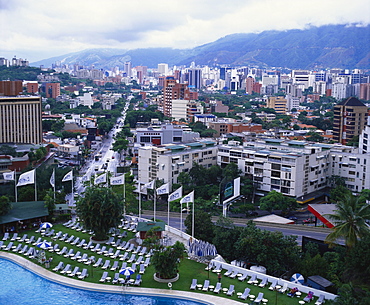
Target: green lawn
189	269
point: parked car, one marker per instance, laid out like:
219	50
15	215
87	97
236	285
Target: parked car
252	213
308	220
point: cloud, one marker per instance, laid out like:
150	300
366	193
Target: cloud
57	27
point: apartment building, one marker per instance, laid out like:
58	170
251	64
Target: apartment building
350	118
20	120
293	168
168	161
278	103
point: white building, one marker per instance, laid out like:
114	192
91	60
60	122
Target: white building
167	162
86	100
185	109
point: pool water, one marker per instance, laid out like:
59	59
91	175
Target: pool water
19	286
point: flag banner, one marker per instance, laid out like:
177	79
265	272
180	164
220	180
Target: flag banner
101	179
164	189
176	194
52	179
9	176
188	198
119	180
27	178
149	185
68	177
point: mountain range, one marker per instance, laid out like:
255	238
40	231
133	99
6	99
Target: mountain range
330	46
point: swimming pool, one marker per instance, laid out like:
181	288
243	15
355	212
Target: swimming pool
20	286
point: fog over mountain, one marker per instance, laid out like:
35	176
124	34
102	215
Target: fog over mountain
331	46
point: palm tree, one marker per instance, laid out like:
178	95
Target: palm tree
350	220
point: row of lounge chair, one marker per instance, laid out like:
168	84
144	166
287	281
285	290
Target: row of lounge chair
116	279
70	271
246	293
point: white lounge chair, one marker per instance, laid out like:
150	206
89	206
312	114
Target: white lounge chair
124	256
259	298
15	235
23	250
66	268
106	264
252	279
59	266
6	236
229	271
217	288
273	285
243	277
99	262
104	277
73	273
205	285
142	269
83	274
284	288
231	290
245	294
138	280
116	278
320	300
263	282
114	266
193	285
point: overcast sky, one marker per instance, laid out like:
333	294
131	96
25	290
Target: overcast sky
39	29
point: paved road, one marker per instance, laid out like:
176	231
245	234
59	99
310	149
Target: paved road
295	230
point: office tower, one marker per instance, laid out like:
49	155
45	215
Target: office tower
127	68
163	69
20	120
142	73
350	118
249	82
195	78
32	87
11	88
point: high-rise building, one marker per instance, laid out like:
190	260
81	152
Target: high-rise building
195	78
350	118
20	120
11	88
52	90
163	69
173	91
127	68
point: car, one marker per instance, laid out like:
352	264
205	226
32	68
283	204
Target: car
112	157
252	213
308	220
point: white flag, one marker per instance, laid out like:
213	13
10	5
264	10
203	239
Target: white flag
164	189
119	180
9	176
68	177
101	179
188	198
176	194
149	185
26	178
52	179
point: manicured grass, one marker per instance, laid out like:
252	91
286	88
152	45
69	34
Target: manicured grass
188	270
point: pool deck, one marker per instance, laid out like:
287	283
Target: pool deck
208	299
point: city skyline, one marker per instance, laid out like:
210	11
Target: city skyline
38	30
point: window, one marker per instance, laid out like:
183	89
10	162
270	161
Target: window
275	174
145	139
275	181
275	166
351	173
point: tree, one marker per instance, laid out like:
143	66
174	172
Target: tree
5	205
226	235
349	219
100	209
49	202
203	226
166	260
338	193
314	137
277	201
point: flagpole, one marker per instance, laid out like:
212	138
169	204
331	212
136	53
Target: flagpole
15	186
54	183
168	212
139	200
181	217
35	187
124	195
192	226
155	200
73	195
